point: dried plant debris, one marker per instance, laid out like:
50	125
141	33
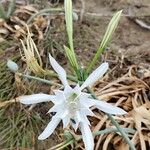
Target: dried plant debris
131	92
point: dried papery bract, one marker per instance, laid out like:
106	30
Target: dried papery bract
32	56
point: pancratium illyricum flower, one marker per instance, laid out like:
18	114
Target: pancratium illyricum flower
72	105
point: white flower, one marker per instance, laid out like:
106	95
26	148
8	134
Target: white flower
72	105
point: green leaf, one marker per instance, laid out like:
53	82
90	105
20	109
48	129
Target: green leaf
69	23
72	58
110	30
69	27
106	39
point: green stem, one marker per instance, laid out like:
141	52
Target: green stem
99	52
70	77
39	79
116	124
58	145
122	132
43	11
106	131
47	81
65	145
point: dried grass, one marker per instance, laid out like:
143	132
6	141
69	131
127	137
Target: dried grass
131	93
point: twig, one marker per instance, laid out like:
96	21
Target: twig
142	24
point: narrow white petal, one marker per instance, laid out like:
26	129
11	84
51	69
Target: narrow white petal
59	97
62	114
66	121
81	117
60	71
95	75
67	91
78	116
36	98
77	89
86	95
59	93
75	124
87	112
56	108
84	113
87	136
77	119
108	108
87	102
85	120
49	129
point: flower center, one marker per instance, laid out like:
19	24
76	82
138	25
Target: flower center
72	97
73	104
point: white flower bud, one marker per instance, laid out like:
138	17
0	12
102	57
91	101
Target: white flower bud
12	65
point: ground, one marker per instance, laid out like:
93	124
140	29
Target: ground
126	84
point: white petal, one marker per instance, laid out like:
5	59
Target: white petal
77	89
108	108
87	112
60	71
62	114
95	75
84	113
86	95
36	98
56	108
87	102
49	129
75	124
87	136
59	97
67	91
77	118
85	120
59	93
66	121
